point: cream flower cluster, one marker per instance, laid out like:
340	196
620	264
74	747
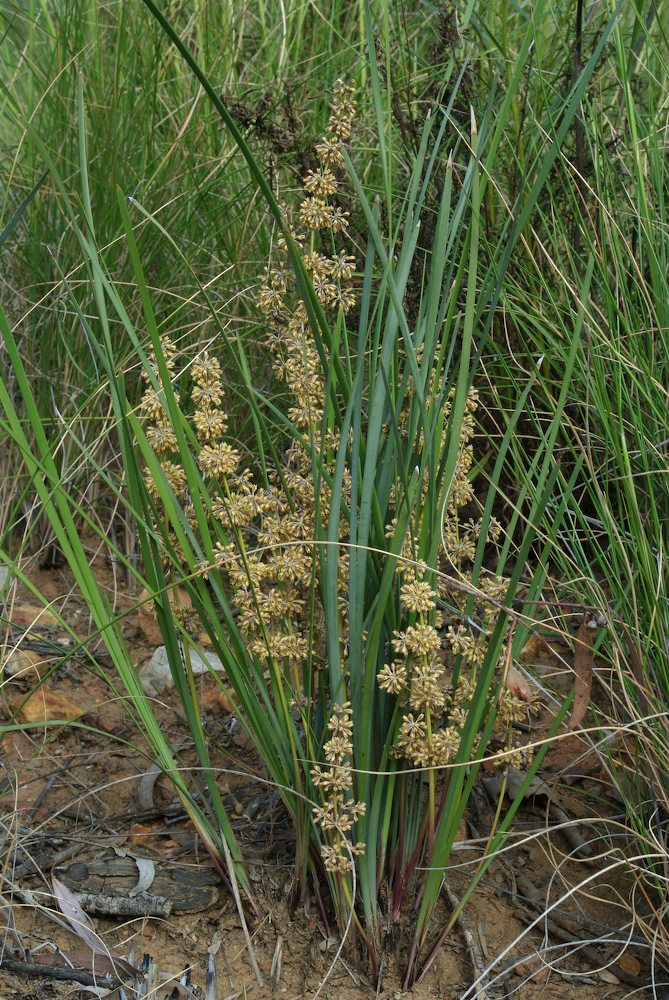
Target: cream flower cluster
433	708
339	812
269	559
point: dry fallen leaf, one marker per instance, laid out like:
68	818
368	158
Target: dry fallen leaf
630	964
45	705
518	684
91	961
583	657
31	614
637	669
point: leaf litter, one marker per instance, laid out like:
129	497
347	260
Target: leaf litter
108	791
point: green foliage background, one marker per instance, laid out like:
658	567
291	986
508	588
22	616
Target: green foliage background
129	210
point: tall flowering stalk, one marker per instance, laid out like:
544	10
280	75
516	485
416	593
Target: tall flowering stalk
265	547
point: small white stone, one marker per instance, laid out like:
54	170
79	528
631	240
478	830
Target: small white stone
156	676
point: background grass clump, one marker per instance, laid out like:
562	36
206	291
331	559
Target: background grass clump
402	364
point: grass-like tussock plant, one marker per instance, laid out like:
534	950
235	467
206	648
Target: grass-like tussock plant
361	633
453	399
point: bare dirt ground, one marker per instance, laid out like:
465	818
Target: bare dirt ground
72	799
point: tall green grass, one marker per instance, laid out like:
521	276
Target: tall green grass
493	247
613	542
149	131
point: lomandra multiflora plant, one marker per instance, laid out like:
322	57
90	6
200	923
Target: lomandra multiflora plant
341	580
370	675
